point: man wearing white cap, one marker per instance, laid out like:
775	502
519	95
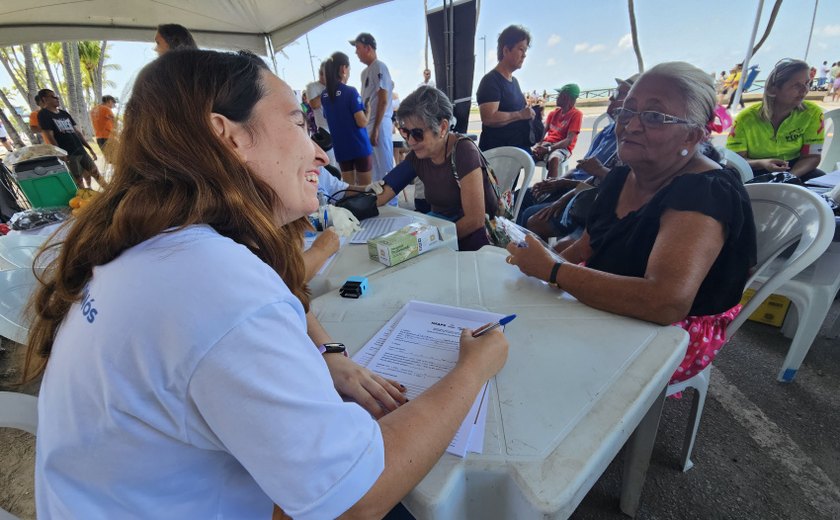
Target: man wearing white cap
377	88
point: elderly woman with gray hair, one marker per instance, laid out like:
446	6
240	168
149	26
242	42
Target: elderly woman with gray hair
670	237
450	166
783	132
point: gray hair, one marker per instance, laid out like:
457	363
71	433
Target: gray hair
781	74
696	86
428	104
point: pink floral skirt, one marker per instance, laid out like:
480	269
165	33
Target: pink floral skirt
706	336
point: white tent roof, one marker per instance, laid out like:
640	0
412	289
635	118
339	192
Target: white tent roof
229	24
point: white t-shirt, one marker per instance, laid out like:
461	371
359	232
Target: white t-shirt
328	184
313	91
375	77
184	386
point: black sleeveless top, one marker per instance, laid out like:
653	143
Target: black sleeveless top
623	246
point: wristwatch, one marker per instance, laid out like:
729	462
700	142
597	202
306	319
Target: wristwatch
332	348
552	278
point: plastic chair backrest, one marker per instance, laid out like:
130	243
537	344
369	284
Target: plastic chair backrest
507	162
831	154
595	124
19	411
20	250
785	214
733	160
16	287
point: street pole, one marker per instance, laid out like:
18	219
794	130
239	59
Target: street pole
309	50
484	39
811	32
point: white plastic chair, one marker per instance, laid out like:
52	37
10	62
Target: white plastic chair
595	124
16	287
19	251
19	411
507	162
831	155
784	214
733	160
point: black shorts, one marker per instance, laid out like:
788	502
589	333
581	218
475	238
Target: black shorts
361	164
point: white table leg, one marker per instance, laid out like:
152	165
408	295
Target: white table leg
637	453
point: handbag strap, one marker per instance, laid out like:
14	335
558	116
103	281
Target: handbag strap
485	166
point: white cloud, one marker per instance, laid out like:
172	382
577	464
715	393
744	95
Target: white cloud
829	30
554	39
581	47
597	48
625	42
551	62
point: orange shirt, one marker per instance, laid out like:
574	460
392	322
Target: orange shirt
103	121
33	119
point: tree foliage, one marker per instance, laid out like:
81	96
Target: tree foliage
76	71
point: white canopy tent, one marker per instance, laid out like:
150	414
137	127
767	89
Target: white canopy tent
258	25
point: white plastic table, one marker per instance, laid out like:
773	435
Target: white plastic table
353	259
576	385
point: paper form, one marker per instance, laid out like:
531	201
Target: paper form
419	346
378	226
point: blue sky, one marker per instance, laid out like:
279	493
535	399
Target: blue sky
572	41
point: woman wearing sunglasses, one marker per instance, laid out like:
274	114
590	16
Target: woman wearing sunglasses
670	238
783	132
461	194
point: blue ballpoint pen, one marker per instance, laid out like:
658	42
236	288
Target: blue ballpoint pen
487	328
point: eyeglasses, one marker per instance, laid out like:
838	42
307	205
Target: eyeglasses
416	133
648	118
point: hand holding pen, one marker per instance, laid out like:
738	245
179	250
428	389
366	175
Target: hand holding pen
490	326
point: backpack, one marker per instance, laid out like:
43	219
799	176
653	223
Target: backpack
504	200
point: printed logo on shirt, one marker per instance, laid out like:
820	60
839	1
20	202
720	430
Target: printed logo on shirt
88	310
794	135
64	125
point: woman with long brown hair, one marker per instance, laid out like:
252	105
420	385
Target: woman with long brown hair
183	376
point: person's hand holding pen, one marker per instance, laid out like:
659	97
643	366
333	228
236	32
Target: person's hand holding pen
483	356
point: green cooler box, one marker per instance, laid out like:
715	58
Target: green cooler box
45	181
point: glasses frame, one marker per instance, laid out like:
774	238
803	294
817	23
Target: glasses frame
417	133
667	119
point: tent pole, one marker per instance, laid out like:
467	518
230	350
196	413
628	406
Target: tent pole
269	47
737	99
811	32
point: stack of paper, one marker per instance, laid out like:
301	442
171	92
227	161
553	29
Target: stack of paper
378	226
419	346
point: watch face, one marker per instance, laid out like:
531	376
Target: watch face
334	348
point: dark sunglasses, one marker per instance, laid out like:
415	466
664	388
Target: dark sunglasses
415	133
648	118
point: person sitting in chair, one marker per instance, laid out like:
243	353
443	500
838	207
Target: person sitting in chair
562	128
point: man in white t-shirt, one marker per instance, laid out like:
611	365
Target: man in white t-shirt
377	87
427	79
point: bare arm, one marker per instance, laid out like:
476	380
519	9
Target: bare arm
417	433
322	248
565	142
315	102
687	245
84	141
771	164
49	138
361	118
805	164
472	202
372	392
381	103
493	117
